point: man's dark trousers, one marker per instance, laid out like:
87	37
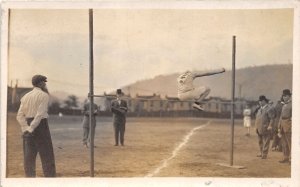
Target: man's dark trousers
39	142
119	128
277	143
264	143
286	145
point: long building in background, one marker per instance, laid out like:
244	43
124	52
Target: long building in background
145	105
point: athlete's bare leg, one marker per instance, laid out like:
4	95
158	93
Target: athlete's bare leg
203	95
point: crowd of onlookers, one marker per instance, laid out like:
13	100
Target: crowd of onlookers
272	122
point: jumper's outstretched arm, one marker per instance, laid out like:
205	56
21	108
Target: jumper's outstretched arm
207	73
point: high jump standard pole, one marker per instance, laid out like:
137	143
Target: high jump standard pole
91	93
232	111
232	100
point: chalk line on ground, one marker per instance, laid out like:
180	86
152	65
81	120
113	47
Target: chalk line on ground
176	150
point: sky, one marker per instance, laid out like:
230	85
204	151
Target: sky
133	45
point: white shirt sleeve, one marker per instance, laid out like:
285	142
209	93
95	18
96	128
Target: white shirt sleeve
22	119
41	112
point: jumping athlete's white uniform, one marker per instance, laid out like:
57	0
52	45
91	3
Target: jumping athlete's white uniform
186	89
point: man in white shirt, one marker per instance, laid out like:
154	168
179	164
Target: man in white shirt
187	91
32	117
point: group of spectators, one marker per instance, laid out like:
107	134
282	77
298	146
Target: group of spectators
272	123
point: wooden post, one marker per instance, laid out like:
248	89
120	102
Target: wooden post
91	93
232	111
232	101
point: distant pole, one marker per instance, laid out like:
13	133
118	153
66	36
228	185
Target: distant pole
91	93
232	100
240	91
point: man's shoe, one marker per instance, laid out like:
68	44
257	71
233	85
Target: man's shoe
198	106
264	157
116	144
284	161
259	155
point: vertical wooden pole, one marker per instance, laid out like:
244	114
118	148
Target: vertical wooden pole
232	101
91	93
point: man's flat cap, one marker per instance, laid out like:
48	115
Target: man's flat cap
36	79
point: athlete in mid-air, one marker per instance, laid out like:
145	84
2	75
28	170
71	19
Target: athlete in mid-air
187	91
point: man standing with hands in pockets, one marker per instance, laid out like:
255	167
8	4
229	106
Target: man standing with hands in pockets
32	117
264	124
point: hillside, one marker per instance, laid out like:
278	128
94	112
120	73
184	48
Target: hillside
251	82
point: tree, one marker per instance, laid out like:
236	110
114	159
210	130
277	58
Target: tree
71	102
54	107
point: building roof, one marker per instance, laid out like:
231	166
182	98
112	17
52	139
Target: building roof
154	96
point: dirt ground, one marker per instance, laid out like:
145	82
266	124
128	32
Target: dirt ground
148	143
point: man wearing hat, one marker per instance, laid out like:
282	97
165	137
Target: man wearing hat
119	110
264	123
285	125
32	117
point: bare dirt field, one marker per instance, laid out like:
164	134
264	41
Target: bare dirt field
158	147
